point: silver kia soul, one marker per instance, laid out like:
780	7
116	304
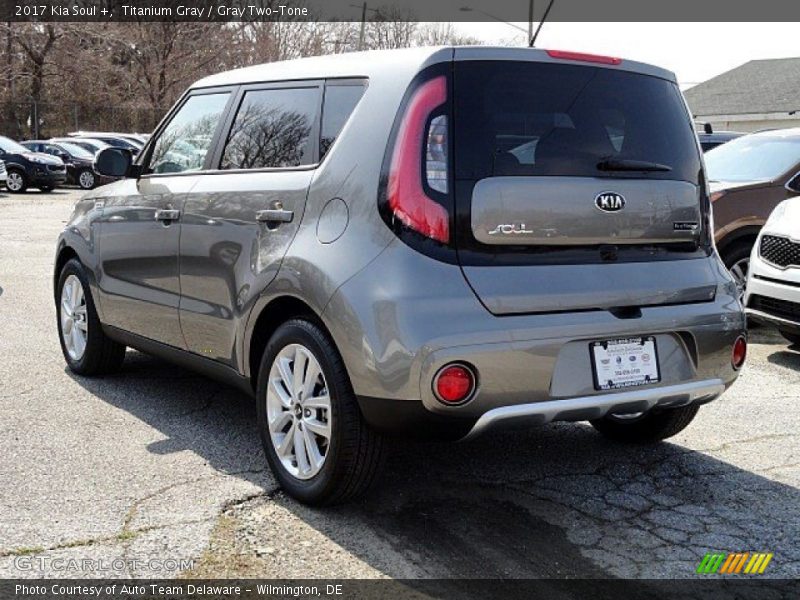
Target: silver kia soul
427	242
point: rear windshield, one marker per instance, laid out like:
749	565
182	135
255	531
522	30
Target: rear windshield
541	119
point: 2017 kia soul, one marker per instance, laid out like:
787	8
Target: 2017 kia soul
425	242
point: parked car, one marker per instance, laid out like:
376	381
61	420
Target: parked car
773	285
709	141
89	144
749	177
30	169
357	247
112	139
79	162
3	173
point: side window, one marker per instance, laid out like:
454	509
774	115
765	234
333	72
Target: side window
183	144
340	101
272	129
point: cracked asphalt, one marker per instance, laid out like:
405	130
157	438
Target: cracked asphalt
156	464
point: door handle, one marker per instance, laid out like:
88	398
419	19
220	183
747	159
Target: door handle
275	215
167	214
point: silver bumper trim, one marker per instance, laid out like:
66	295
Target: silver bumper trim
595	407
759	315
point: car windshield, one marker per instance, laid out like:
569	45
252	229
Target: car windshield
11	147
76	150
753	158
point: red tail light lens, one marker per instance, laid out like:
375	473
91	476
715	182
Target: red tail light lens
454	384
405	192
583	57
739	354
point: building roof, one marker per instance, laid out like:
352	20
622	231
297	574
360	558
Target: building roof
756	87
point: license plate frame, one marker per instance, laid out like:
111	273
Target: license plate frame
612	355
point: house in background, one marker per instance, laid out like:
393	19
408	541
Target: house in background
760	94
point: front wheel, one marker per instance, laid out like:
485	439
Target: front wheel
315	438
791	336
86	348
646	428
86	179
16	182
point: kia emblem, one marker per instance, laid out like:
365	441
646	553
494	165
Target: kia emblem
609	201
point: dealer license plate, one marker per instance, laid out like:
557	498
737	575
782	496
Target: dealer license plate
624	363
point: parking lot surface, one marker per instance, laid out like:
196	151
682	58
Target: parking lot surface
156	464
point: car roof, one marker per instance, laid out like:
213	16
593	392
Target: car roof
398	62
789	133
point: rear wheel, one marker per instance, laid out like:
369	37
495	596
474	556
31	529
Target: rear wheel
737	259
315	438
646	428
16	182
86	348
794	338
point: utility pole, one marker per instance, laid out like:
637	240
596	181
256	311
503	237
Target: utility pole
363	26
530	22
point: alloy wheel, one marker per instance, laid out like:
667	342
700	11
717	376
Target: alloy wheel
86	180
74	324
14	181
299	411
739	270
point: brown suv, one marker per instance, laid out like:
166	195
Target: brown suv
749	177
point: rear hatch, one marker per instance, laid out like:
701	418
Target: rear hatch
577	186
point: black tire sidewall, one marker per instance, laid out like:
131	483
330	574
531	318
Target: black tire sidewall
297	331
737	252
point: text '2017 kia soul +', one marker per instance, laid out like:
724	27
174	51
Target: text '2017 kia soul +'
425	242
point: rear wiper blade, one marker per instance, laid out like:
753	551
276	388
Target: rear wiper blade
624	164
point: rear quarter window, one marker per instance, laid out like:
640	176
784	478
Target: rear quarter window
543	119
340	101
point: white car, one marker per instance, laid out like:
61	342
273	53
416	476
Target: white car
773	284
3	174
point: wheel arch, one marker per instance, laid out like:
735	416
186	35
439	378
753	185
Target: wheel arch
735	237
64	255
276	312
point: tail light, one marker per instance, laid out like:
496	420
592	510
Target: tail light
408	200
739	354
583	57
454	384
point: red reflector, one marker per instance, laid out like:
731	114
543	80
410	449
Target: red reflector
454	384
593	58
407	199
739	353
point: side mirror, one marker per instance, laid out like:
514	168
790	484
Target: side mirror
113	162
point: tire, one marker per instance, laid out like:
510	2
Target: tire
86	179
353	452
792	337
649	428
737	260
16	182
100	354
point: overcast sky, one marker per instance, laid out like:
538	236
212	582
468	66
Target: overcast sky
694	51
